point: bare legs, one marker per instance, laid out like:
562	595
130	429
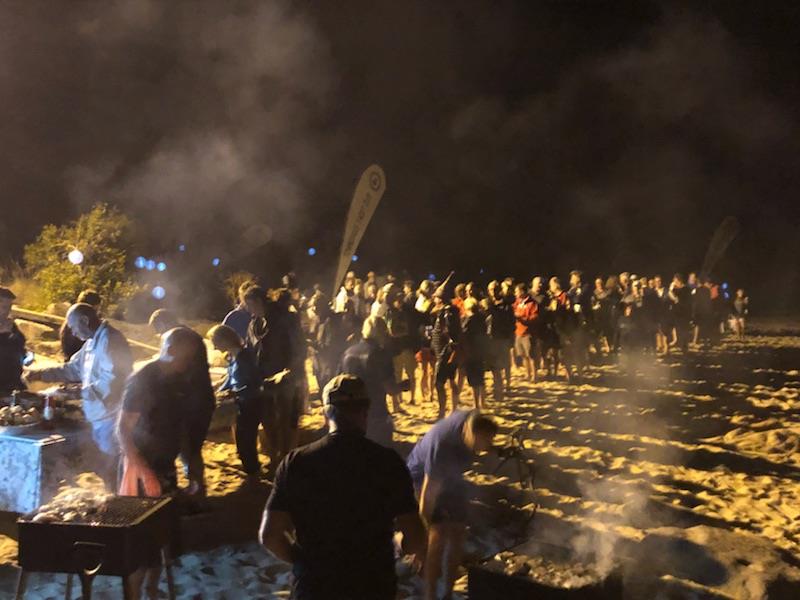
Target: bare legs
445	551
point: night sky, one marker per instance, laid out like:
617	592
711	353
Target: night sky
519	137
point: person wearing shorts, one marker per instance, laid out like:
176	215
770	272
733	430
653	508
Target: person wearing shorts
437	465
401	320
475	346
500	323
526	313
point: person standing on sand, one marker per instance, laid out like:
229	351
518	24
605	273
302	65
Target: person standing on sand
336	504
244	381
681	297
475	349
101	366
740	312
12	346
437	465
197	399
370	361
526	311
276	338
149	432
445	339
239	318
500	327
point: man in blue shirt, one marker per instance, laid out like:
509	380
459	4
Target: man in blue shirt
437	464
239	318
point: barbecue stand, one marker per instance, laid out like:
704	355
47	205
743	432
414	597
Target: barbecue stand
125	535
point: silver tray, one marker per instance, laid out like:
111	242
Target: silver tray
17	429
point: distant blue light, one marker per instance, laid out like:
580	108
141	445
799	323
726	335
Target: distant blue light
724	286
727	296
159	292
150	265
162	266
215	262
481	271
182	248
140	262
432	277
355	257
312	251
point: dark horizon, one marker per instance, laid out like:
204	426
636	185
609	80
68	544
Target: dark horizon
517	137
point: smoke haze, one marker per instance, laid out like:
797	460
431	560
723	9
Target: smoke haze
607	137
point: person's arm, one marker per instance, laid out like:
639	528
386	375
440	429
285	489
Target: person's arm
136	468
415	538
226	384
277	527
70	371
274	534
427	498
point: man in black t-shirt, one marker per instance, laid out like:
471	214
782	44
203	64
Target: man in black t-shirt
197	402
149	431
342	497
151	421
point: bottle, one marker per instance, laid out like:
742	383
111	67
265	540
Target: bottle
47	411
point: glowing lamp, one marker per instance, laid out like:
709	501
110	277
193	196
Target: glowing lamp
431	277
215	262
182	248
140	262
355	257
162	266
159	292
312	251
75	257
150	265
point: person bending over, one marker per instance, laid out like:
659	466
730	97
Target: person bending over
437	464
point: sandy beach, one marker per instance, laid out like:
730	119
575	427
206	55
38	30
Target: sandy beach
684	476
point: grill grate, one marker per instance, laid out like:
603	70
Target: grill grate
119	511
122	511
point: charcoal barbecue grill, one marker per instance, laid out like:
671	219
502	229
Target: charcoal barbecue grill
125	535
485	583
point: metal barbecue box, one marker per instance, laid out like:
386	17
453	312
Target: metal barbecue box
126	534
486	582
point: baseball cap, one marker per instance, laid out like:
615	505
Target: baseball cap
344	389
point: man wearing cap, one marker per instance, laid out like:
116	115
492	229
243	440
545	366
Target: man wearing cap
336	503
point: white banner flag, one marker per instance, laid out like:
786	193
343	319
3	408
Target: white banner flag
368	193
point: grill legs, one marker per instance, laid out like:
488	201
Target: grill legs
21	583
167	562
86	581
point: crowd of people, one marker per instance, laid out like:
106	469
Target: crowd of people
395	334
341	498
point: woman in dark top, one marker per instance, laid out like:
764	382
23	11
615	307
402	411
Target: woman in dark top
12	347
245	383
475	347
